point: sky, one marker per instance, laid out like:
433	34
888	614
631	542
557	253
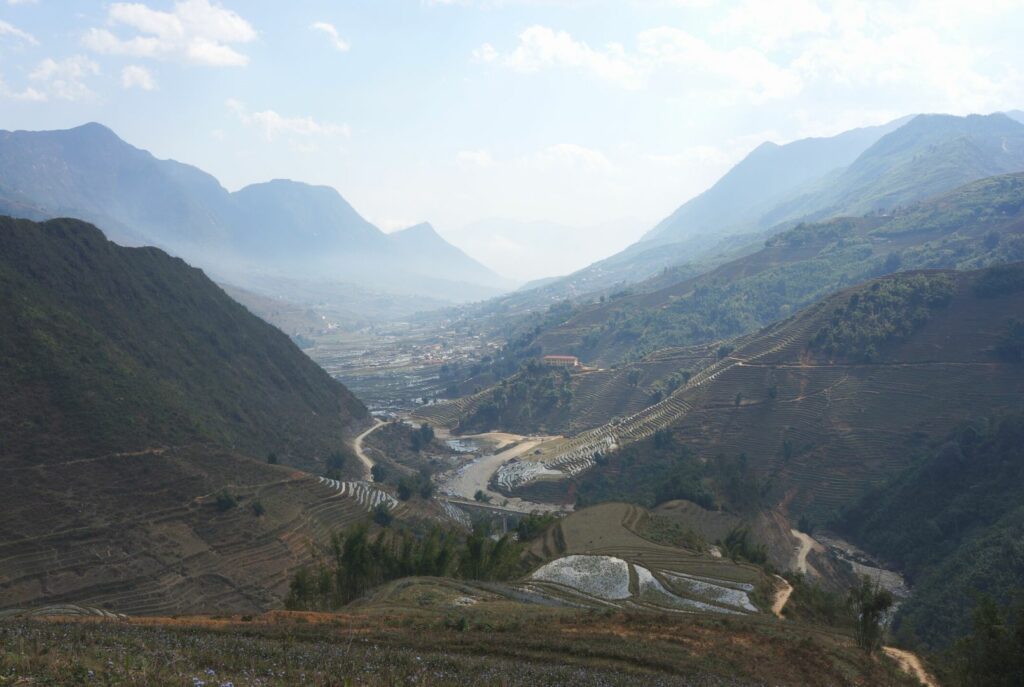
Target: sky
493	119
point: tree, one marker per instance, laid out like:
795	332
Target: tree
272	458
482	496
226	501
869	603
378	472
993	654
258	509
382	516
335	462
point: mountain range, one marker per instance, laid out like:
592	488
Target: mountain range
280	229
873	169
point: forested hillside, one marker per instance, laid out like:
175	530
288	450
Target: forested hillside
954	524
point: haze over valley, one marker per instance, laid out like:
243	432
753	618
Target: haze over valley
512	343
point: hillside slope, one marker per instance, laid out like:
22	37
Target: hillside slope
953	523
823	405
974	226
117	349
139	407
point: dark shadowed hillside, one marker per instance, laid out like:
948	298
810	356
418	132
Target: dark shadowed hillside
121	349
142	412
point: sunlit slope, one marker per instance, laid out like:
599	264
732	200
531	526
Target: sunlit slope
824	404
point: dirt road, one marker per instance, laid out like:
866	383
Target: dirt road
781	597
911	664
357	446
476	475
807	544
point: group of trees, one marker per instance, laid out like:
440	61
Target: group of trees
518	403
888	310
422	437
360	561
993	654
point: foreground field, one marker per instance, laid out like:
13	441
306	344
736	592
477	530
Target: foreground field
396	640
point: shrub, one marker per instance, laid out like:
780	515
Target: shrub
226	501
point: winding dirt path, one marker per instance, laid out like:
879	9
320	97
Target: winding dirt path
781	597
910	663
807	544
357	446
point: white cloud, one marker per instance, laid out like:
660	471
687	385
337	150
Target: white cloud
27	94
65	79
136	76
339	43
196	31
22	2
541	47
769	24
474	158
272	125
485	53
737	73
8	29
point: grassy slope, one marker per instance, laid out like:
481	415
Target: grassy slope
423	638
114	349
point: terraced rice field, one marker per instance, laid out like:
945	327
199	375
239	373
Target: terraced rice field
601	560
163	546
366	494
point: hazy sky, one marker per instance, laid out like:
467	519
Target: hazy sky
575	113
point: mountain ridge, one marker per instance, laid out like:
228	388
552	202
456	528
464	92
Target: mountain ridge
280	227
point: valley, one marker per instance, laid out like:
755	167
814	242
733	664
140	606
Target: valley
777	440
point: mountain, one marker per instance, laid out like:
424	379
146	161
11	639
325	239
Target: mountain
273	230
927	156
978	225
302	222
769	173
861	171
88	172
138	407
423	250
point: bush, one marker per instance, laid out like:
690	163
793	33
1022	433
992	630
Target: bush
226	501
258	509
382	516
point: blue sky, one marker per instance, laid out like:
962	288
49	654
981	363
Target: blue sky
596	117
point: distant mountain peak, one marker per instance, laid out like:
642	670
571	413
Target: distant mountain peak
423	229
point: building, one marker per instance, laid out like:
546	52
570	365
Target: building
561	361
